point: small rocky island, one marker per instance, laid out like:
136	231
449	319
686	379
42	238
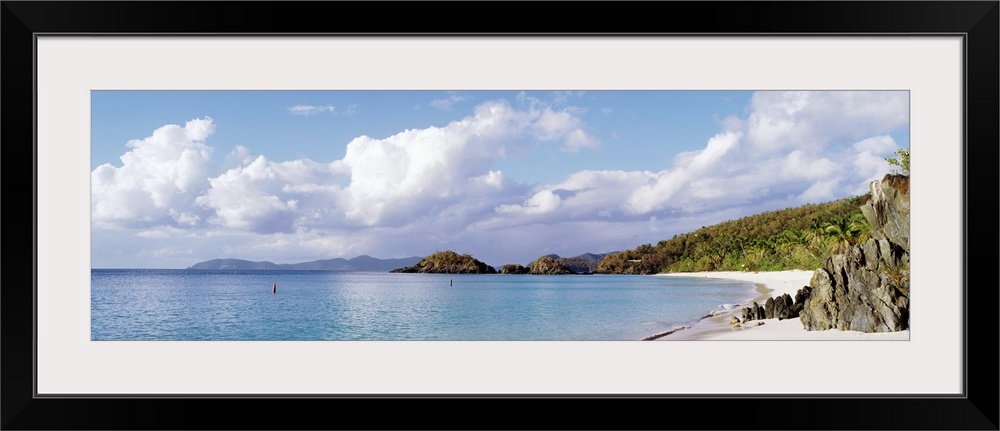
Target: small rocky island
448	262
552	264
545	265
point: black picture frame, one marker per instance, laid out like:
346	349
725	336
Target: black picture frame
976	21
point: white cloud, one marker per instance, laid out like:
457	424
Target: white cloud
307	110
157	180
870	160
442	185
583	195
799	166
492	179
542	202
423	170
267	197
821	191
391	178
882	144
578	139
239	156
564	125
688	166
446	103
814	120
168	179
794	157
552	125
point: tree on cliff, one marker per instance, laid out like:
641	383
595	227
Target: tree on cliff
900	160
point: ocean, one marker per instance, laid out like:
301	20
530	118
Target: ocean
228	305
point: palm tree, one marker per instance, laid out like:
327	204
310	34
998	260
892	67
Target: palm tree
815	234
838	233
859	224
846	231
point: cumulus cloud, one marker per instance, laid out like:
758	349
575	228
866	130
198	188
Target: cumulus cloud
814	120
392	178
268	197
583	195
655	194
441	184
157	180
563	125
168	178
307	110
422	170
792	148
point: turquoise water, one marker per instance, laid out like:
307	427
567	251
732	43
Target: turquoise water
131	304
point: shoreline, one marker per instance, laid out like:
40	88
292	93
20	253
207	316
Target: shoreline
715	326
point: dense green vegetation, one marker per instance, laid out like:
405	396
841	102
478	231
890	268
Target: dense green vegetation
793	238
547	265
449	262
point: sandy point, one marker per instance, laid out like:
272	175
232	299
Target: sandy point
769	284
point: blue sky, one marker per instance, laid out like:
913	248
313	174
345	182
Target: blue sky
179	177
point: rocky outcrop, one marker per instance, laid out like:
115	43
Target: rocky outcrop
867	288
546	265
888	210
781	308
756	312
513	268
448	262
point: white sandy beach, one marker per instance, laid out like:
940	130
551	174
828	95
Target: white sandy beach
769	284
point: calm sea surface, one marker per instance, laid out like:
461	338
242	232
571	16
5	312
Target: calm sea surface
129	304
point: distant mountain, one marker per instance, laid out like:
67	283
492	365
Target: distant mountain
358	264
234	264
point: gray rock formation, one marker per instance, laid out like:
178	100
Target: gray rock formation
756	312
782	307
888	211
867	288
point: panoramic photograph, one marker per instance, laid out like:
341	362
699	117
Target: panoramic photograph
533	215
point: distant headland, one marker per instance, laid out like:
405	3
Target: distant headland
359	264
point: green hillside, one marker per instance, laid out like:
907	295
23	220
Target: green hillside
793	238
